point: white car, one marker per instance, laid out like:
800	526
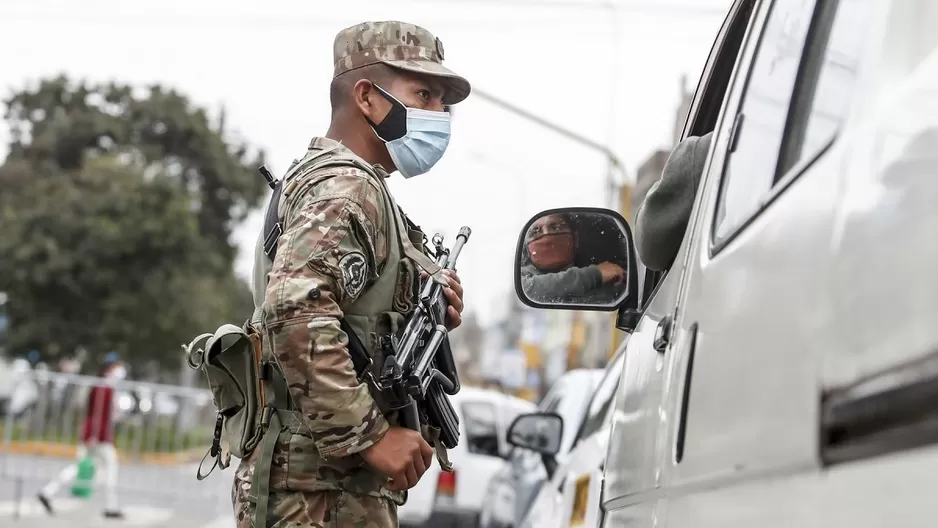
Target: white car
455	499
513	490
18	390
571	498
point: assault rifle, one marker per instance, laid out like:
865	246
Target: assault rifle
419	372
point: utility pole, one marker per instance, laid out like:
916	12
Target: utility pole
615	164
613	192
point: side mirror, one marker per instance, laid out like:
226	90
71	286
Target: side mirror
576	258
538	432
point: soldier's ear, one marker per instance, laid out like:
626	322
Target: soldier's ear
369	102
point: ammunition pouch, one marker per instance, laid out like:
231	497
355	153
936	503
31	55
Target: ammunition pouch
231	362
241	382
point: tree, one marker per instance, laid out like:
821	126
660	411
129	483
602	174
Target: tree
156	130
115	216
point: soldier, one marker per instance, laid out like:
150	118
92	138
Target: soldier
347	253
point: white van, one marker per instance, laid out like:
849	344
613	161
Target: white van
455	499
784	371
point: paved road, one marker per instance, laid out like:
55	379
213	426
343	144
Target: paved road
150	496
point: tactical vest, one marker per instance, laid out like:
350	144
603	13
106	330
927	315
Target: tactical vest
379	310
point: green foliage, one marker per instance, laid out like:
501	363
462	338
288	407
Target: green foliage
114	222
156	129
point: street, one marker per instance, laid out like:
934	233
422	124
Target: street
149	496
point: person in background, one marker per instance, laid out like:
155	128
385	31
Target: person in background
97	438
551	276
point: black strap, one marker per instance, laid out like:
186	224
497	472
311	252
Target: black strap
272	226
356	350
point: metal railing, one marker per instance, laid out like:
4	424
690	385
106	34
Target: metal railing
159	434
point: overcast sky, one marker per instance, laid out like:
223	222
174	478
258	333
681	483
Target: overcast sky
611	76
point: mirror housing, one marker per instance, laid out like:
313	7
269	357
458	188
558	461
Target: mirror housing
577	258
538	432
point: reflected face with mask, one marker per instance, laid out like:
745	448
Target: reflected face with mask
407	116
551	243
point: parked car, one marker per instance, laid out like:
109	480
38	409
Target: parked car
782	371
571	497
18	390
514	487
454	499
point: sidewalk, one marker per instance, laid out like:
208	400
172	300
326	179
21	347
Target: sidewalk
75	513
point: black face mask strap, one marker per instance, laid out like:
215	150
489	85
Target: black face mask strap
394	125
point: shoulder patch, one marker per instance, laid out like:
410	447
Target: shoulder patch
354	272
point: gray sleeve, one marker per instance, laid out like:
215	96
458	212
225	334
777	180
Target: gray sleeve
556	286
662	218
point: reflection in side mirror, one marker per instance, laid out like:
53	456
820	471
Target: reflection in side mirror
576	258
539	432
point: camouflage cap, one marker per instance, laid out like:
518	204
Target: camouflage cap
400	45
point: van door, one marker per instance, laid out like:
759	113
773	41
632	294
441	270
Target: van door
880	371
743	402
631	474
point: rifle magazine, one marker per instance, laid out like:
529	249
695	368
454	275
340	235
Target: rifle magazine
441	414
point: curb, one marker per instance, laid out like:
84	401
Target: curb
52	449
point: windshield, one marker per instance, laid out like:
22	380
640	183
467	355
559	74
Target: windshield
572	403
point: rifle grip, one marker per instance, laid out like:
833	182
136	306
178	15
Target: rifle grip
408	417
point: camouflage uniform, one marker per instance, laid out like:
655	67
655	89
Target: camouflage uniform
346	252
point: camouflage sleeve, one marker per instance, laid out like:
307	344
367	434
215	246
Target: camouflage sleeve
333	244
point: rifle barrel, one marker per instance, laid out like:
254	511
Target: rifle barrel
461	240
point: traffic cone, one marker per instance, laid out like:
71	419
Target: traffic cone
84	479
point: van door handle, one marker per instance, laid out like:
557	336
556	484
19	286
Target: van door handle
663	334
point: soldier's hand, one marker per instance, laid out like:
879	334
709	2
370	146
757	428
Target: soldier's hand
454	297
403	455
611	273
453	294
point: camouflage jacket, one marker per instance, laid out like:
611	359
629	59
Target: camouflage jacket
334	246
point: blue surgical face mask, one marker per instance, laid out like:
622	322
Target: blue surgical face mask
416	139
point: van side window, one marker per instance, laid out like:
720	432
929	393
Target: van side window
798	94
828	79
760	123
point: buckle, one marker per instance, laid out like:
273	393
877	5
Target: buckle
270	241
368	376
